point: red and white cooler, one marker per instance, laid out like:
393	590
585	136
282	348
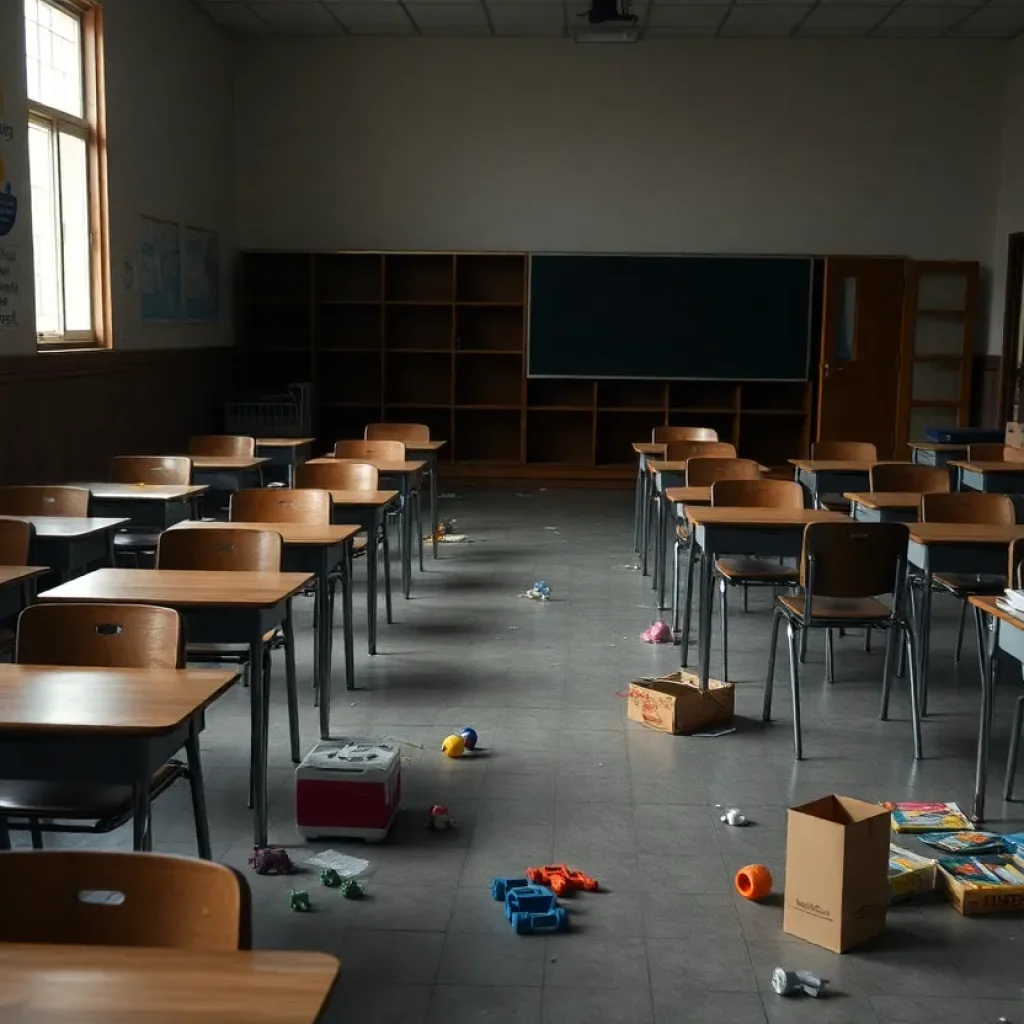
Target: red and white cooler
349	787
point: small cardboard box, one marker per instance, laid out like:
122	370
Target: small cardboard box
837	872
675	704
970	900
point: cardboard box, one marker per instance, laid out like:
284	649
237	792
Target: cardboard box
909	873
675	704
970	900
837	872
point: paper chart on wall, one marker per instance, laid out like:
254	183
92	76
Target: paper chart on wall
10	292
160	270
201	275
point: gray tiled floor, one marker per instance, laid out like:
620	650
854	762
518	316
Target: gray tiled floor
564	776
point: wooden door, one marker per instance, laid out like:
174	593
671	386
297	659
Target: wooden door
860	351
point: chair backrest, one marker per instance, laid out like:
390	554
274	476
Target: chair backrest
678	450
968	507
905	476
844	451
16	537
151	469
338	476
396	432
387	449
281	505
662	435
44	501
757	494
102	635
223	444
100	898
986	453
223	549
703	471
852	559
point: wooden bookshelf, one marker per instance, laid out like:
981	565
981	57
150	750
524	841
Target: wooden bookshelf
440	338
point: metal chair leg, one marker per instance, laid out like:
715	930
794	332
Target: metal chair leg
688	604
958	647
979	627
769	683
5	836
195	784
675	585
887	668
1011	760
915	696
419	522
291	685
830	665
37	834
387	573
803	645
724	602
746	594
794	684
867	640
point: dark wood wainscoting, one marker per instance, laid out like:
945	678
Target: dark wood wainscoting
63	415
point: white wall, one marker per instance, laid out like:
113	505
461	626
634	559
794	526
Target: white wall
716	146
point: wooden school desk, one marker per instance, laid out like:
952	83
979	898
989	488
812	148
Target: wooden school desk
369	510
235	471
157	506
69	543
991	477
974	548
884	506
775	532
284	452
643	450
316	550
931	453
427	450
112	726
18	588
218	607
47	984
832	476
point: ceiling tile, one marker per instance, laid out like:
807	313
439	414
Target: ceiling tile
686	19
764	19
848	19
236	18
993	23
920	21
292	17
449	19
527	19
377	17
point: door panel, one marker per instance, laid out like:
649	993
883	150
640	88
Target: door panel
860	351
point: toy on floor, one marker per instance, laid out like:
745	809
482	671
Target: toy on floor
330	878
469	737
453	746
657	633
351	889
540	591
438	819
445	533
789	983
530	908
734	816
560	879
271	860
754	882
298	900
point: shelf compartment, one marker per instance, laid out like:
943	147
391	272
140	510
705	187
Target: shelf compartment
419	277
617	431
630	394
418	327
348	327
779	395
788	438
334	423
439	422
348	277
348	377
491	278
489	327
487	435
277	325
423	378
488	379
560	437
687	394
272	373
579	394
278	276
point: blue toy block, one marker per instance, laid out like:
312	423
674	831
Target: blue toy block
556	920
529	899
500	886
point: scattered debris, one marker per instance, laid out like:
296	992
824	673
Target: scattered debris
540	591
330	878
298	899
713	734
789	983
513	627
445	532
345	866
405	743
555	528
657	633
271	860
630	567
438	819
734	816
753	882
352	890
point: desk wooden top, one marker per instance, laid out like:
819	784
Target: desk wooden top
363	499
964	533
762	517
129	701
689	495
143	492
43	984
649	447
988	467
69	527
283	442
834	465
214	462
179	588
386	467
885	499
292	534
679	465
11	574
935	446
424	446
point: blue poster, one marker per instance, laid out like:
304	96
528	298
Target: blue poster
202	275
160	271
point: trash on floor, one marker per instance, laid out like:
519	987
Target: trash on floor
629	567
352	890
734	816
714	734
271	860
445	533
909	873
531	909
344	865
753	882
657	633
540	591
330	878
675	703
560	879
791	983
298	899
438	819
928	817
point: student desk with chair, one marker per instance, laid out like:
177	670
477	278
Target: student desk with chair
831	476
428	451
644	450
157	506
18	587
218	607
991	477
884	506
284	453
69	543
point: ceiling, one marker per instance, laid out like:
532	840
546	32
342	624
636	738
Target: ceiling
903	19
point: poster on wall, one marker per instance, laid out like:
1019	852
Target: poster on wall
201	275
8	198
9	288
160	271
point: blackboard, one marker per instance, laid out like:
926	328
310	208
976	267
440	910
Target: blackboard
669	317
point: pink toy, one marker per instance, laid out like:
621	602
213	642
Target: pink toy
658	633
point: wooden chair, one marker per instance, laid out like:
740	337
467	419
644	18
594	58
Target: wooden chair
104	636
679	450
664	434
282	505
16	541
152	900
986	453
396	432
172	470
906	476
229	550
230	445
844	567
30	500
844	451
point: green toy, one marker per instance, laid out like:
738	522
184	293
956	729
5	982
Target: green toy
330	878
352	890
299	900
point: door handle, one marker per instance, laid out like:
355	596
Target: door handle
829	369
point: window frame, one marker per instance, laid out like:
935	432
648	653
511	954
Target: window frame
91	128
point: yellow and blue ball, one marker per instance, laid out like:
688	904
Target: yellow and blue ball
453	746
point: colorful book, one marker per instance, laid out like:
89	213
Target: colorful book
909	873
922	817
996	869
964	842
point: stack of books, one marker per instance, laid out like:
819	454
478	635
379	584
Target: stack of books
1012	601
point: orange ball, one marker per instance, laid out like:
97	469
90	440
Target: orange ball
754	881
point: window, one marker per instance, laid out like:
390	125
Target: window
68	171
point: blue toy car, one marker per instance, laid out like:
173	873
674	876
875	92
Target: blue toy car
500	886
530	908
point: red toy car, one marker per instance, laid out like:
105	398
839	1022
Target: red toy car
560	879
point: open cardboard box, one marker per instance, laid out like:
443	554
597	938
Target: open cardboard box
675	703
970	900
